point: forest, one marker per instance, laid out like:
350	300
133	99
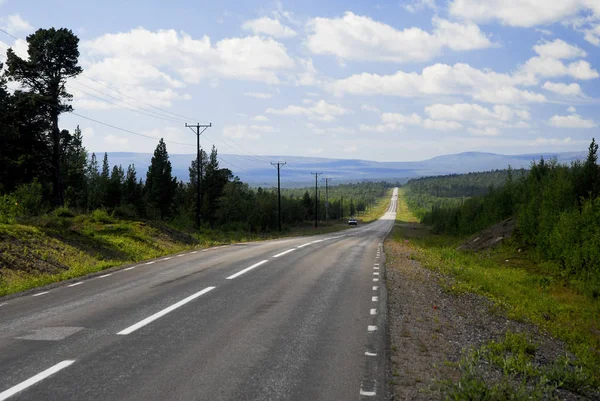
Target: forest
47	169
557	209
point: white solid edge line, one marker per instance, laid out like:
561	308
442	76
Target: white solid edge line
375	299
376	268
163	312
283	253
375	279
105	275
149	263
376	273
40	293
373	311
181	254
367	353
317	241
194	252
3	303
130	268
302	246
375	288
371	328
247	269
367	393
169	258
74	284
32	380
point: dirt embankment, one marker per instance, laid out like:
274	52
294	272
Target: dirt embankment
490	237
430	328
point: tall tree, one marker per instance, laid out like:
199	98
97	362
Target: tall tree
114	190
75	161
215	179
53	58
93	183
160	184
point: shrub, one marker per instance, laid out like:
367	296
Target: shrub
9	208
63	212
30	198
102	216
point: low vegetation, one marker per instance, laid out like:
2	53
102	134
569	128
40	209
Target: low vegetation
523	289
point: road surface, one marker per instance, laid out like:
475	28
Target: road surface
290	319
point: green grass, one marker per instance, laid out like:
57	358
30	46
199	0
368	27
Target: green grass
518	288
377	210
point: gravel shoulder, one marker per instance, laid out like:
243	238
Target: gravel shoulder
430	329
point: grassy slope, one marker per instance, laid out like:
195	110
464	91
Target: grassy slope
512	281
52	249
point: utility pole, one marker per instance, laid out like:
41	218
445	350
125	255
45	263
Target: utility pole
198	168
316	197
326	198
278	165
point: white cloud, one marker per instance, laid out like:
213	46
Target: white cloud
368	107
262	128
87	133
315	151
488	131
241	132
474	112
15	25
440	79
269	26
194	59
116	140
260	118
563	89
550	67
350	149
355	37
558	49
522	13
571	109
592	34
571	121
258	95
320	110
441	125
544	31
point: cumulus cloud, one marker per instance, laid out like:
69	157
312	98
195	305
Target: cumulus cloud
563	89
571	121
521	13
439	79
15	25
320	110
592	34
195	59
241	131
355	37
488	131
474	112
368	107
260	118
269	26
546	67
558	49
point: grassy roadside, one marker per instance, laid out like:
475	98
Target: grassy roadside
55	248
376	211
520	292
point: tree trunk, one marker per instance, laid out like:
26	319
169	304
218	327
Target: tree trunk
57	181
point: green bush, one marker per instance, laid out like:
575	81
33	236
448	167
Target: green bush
63	212
30	198
9	208
102	216
125	212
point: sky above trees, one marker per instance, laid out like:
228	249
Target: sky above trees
381	80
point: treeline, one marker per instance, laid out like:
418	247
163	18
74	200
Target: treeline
344	199
557	210
448	191
44	168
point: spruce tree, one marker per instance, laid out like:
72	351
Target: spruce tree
160	184
93	184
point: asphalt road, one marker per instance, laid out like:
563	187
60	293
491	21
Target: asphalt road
291	319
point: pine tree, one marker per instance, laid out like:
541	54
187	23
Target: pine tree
103	183
160	185
75	171
93	184
114	190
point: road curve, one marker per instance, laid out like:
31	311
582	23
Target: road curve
290	319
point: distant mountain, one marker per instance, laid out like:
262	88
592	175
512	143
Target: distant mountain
257	171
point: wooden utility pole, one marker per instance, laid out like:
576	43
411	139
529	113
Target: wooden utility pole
198	169
278	165
316	198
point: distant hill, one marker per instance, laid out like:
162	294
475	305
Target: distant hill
257	171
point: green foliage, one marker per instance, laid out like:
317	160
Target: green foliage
160	184
101	216
9	208
30	198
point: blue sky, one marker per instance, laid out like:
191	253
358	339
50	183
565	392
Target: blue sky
386	81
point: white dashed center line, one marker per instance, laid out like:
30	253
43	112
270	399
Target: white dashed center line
194	252
247	269
40	293
130	268
105	275
373	311
149	263
74	284
375	299
370	353
31	381
375	280
180	255
163	312
167	258
302	246
367	393
283	253
372	328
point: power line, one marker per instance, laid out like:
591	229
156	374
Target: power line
198	168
